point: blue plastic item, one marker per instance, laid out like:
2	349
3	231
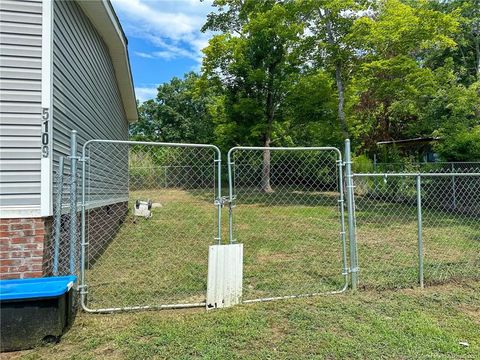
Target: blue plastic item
37	288
35	311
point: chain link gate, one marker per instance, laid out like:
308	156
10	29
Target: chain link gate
149	213
289	214
417	229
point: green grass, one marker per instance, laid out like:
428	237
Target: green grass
161	260
402	324
291	246
387	245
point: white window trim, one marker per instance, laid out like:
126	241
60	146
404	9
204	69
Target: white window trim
19	212
46	163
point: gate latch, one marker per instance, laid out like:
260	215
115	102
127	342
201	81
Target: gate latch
224	200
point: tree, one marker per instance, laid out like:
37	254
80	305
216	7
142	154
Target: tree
255	61
311	112
178	114
466	55
461	145
394	84
330	23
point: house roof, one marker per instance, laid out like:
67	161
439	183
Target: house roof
104	19
410	141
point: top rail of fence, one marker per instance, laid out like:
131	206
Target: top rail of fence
152	143
384	175
430	163
283	148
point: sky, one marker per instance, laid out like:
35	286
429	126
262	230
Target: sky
164	39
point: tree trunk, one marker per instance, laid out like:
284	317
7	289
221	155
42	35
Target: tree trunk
341	99
338	76
266	187
270	113
477	52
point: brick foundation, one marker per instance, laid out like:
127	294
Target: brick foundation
26	245
22	248
102	225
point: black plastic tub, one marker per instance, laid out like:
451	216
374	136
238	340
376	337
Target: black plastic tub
35	311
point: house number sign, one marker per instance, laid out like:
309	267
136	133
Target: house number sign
45	133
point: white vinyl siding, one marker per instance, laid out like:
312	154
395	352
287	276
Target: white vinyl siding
20	102
86	97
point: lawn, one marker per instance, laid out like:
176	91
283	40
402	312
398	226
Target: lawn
402	324
387	236
292	245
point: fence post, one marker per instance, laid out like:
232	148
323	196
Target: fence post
83	235
420	235
73	199
230	164
454	195
58	215
218	162
351	216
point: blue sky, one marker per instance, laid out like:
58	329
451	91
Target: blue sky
164	39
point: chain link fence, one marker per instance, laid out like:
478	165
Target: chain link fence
427	167
142	215
414	229
62	247
386	226
288	214
451	227
149	219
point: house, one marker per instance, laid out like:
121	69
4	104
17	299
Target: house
63	65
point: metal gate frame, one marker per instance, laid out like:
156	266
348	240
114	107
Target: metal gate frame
341	205
346	203
83	287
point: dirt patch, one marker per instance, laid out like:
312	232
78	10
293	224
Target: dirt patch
107	352
472	311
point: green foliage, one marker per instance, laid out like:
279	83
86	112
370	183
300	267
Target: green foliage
312	72
393	86
466	55
254	61
179	113
462	145
362	164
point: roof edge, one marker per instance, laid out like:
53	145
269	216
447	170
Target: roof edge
105	21
403	141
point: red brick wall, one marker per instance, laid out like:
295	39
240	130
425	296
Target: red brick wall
26	245
21	248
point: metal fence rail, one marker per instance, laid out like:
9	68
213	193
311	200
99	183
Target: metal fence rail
427	167
289	215
146	229
415	229
136	223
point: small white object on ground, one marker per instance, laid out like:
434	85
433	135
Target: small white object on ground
143	208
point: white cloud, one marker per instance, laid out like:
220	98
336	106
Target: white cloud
145	93
144	55
171	26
